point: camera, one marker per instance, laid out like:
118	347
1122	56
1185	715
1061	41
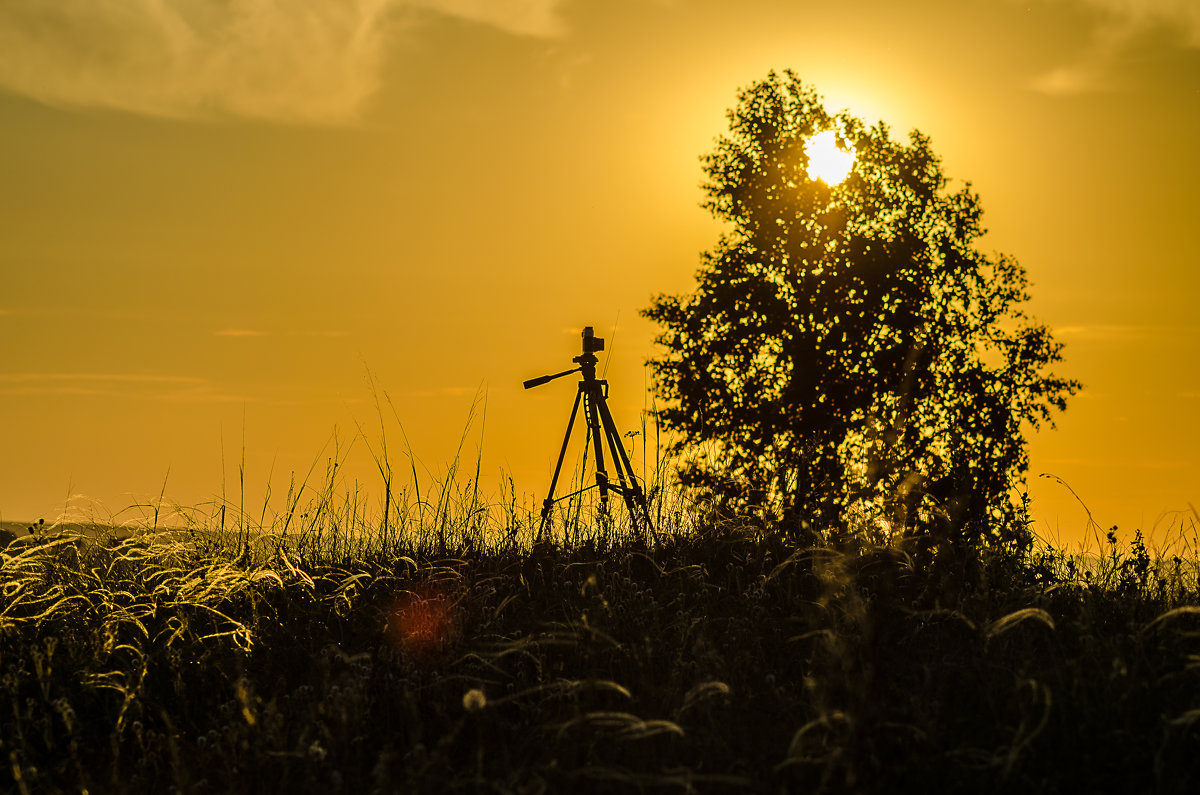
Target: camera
591	343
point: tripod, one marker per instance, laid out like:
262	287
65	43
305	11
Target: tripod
601	430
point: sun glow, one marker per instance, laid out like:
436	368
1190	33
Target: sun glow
826	160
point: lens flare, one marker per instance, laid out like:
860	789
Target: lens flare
826	160
422	624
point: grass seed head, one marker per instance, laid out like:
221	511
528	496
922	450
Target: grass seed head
474	700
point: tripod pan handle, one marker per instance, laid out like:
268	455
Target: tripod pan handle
545	379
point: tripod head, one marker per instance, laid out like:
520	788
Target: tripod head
587	361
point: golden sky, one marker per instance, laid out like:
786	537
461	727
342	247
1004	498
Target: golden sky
221	222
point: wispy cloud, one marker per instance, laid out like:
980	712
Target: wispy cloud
28	378
241	332
308	61
177	388
522	17
1119	23
1107	332
1139	15
443	392
1121	463
1158	334
1087	77
164	389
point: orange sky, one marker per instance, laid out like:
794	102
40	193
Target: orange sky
217	220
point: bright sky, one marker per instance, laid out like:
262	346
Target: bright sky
220	222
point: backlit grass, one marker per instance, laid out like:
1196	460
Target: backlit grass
442	650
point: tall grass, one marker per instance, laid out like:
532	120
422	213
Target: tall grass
424	642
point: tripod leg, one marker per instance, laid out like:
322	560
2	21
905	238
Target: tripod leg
549	501
634	497
593	420
624	479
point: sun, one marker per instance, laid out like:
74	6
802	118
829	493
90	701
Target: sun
826	161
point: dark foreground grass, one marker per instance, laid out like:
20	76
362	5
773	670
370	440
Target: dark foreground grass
706	661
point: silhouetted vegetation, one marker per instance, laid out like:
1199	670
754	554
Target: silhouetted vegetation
850	361
718	658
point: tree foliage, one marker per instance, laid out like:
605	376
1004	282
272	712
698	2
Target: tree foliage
850	358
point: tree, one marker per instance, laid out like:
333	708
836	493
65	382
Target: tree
850	359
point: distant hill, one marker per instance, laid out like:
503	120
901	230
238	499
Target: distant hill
11	530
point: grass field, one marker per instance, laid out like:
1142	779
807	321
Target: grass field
328	654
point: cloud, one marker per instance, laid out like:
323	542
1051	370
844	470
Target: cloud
1135	16
1155	334
306	61
443	392
1103	332
160	388
522	17
123	385
240	332
1113	463
1119	23
28	378
1082	78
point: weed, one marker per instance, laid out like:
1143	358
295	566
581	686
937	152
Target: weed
434	646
